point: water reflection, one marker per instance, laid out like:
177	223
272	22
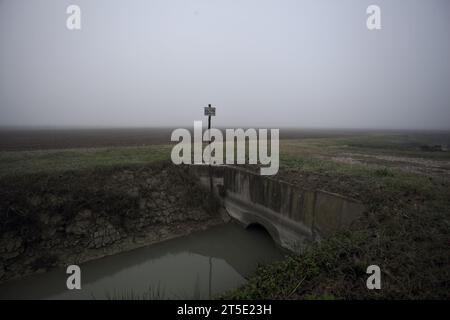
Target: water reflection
198	266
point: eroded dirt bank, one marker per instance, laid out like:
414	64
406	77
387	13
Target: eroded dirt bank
57	219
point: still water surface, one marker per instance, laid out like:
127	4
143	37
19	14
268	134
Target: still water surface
197	266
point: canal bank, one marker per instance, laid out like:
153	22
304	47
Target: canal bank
54	220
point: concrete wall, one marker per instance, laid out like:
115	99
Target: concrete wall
293	216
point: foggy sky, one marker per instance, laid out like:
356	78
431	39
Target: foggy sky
262	63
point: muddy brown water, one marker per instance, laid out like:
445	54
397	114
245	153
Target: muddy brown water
199	266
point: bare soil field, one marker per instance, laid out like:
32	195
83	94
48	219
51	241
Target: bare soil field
12	139
43	139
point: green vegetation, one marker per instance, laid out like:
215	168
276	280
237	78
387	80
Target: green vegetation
47	161
405	230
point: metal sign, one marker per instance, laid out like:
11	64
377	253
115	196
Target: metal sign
210	111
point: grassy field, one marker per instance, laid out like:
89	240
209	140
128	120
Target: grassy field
403	182
400	151
46	161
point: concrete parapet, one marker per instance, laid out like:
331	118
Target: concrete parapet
292	215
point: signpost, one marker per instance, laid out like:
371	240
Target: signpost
210	112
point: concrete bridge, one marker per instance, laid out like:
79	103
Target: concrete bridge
292	216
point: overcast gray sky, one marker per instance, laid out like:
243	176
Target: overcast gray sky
262	63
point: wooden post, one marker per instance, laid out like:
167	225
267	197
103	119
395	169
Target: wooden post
209	123
210	111
210	169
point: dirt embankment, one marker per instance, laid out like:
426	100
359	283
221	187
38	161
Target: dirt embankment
60	219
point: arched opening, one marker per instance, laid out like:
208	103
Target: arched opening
257	227
262	230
